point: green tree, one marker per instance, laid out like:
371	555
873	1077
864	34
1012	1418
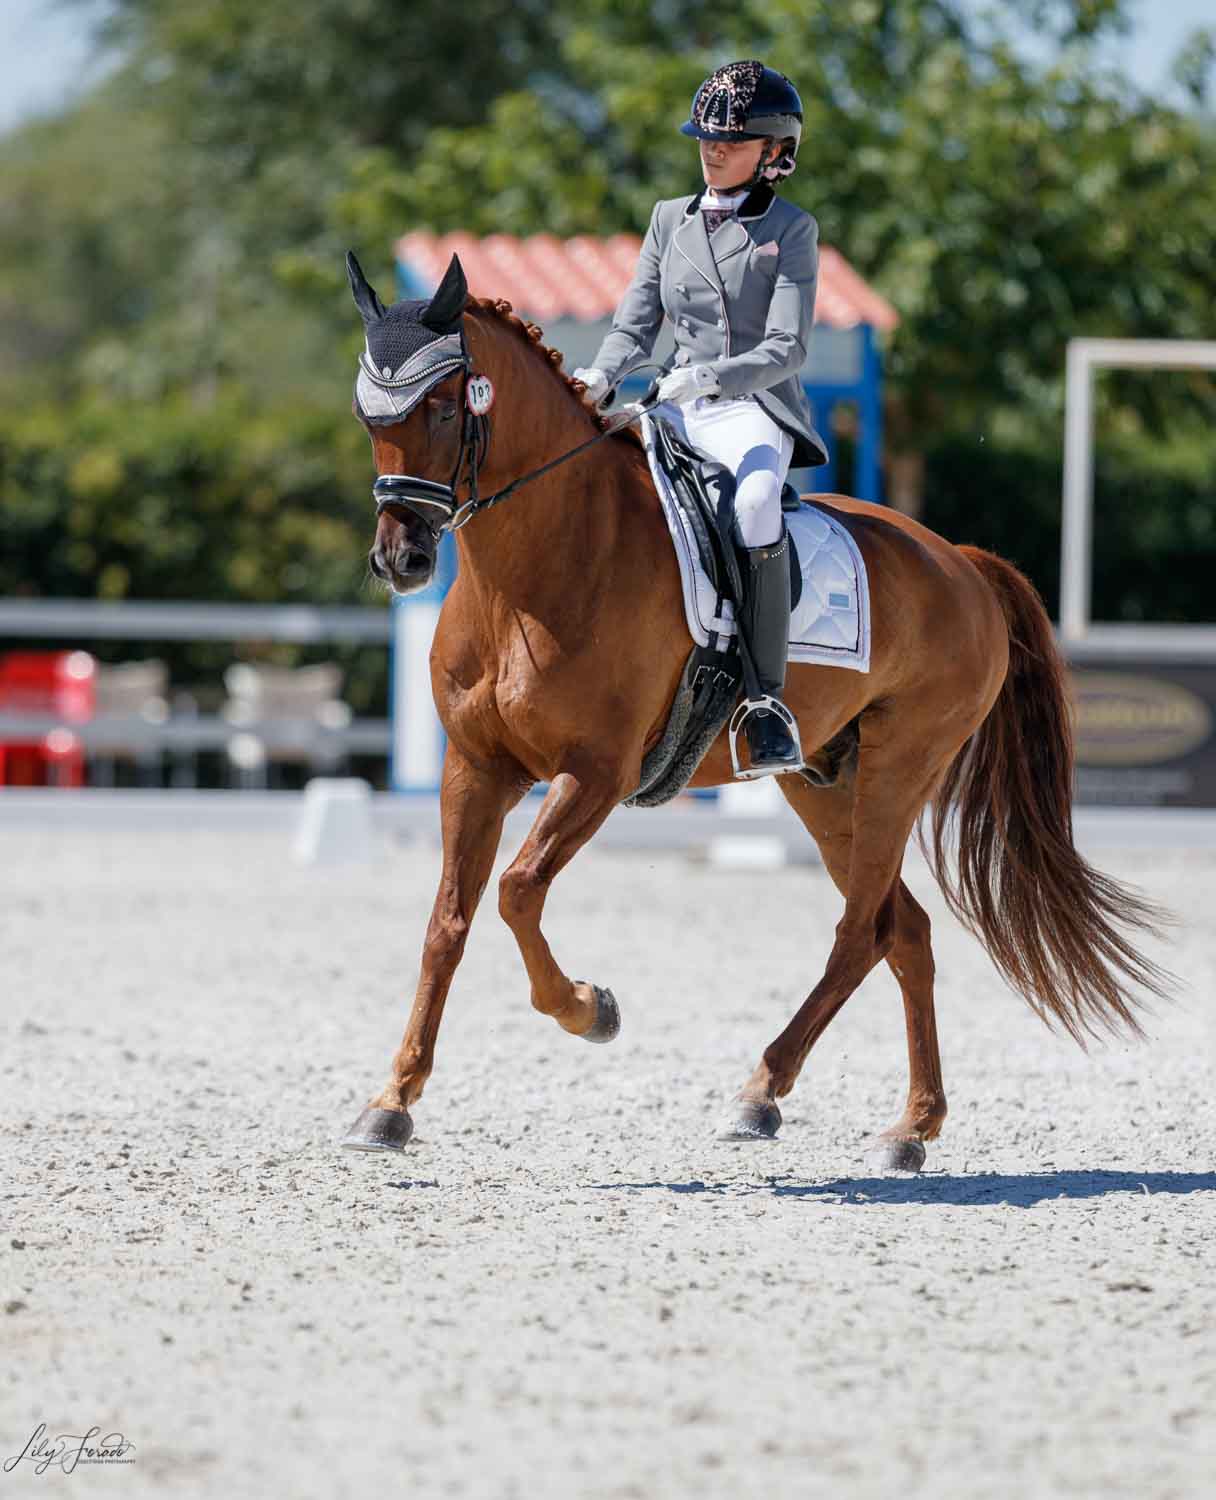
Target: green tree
183	217
1003	207
170	248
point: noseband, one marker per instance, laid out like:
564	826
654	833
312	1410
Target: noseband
433	503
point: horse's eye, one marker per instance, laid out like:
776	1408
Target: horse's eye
447	413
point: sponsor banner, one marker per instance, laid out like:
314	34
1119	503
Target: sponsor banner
1145	733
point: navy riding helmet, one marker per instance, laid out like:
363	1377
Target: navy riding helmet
745	101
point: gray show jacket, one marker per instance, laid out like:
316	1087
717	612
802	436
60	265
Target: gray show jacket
744	311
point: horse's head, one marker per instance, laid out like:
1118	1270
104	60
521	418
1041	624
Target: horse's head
409	394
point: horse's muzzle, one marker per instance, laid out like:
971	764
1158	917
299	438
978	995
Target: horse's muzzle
403	556
404	573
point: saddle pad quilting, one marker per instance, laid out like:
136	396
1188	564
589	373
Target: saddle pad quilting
831	624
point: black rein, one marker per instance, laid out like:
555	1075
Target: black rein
436	505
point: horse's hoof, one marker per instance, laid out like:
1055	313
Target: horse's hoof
380	1130
752	1121
607	1021
897	1154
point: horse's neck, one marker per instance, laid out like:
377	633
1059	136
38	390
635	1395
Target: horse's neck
558	533
556	536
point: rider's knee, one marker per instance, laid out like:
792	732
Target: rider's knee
758	509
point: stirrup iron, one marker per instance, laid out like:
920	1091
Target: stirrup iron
739	717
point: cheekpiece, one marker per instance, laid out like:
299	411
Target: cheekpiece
385	395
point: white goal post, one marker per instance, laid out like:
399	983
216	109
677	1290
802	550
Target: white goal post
1076	541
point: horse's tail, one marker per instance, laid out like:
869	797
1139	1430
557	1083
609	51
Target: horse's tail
1050	921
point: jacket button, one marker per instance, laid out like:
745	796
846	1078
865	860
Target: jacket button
721	323
682	289
685	323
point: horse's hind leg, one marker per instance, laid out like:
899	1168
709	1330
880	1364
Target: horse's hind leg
474	803
911	961
577	803
861	826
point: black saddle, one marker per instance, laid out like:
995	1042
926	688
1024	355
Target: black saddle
705	491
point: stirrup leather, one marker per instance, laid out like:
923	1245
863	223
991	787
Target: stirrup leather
739	717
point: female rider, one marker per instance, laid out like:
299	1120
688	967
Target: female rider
734	267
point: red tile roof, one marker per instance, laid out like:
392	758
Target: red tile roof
584	277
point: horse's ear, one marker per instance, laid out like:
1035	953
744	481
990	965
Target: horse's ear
447	304
365	294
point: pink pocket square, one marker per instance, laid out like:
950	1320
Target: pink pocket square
772	248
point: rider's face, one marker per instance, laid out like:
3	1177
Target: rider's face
727	164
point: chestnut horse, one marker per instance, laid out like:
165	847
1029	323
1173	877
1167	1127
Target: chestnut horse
556	657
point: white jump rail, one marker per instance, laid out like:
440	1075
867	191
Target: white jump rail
1085	356
90	619
110	732
139	620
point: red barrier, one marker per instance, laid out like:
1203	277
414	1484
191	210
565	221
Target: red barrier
59	683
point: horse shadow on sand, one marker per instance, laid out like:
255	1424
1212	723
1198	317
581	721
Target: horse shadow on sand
975	1190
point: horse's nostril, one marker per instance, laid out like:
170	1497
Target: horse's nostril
399	563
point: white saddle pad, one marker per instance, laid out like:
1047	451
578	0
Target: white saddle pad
830	624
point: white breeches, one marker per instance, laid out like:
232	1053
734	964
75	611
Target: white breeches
742	435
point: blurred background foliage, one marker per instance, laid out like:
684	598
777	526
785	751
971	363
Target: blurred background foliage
177	340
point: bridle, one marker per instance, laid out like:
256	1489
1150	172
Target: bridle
437	505
433	503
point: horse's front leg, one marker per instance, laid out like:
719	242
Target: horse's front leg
577	804
473	803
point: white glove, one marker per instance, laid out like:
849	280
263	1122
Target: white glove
687	383
596	382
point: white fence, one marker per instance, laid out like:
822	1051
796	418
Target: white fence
1085	358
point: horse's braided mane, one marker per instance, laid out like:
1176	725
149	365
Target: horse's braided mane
535	335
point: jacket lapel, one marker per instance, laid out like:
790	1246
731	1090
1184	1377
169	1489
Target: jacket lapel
728	239
693	244
708	252
734	235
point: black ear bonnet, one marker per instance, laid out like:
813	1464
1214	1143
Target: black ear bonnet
411	346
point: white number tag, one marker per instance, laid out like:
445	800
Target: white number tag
479	393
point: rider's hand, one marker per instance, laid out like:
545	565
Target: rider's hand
596	382
687	383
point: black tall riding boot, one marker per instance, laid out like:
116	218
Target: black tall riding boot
766	627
